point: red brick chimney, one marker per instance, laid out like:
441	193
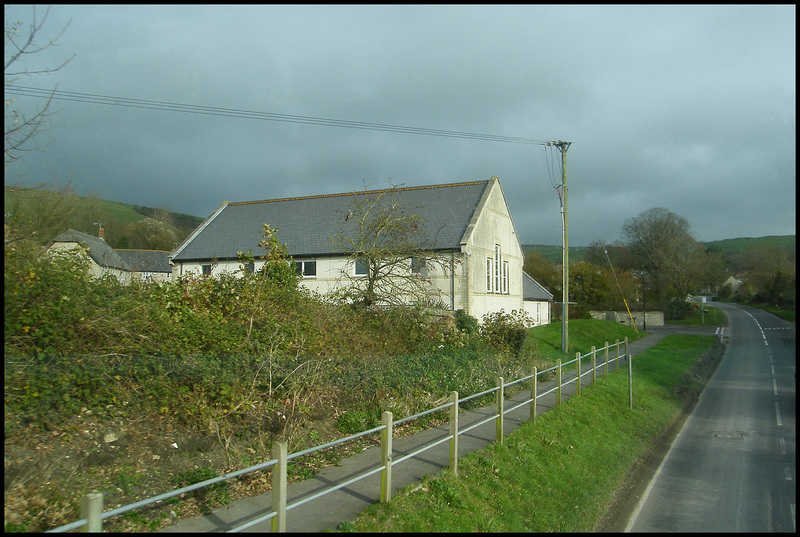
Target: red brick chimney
102	233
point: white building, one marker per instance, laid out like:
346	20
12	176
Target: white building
469	222
103	259
125	265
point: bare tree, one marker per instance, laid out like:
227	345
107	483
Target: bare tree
677	264
391	249
20	127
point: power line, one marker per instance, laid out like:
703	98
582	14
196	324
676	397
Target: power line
250	114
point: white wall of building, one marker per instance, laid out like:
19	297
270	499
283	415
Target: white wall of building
486	275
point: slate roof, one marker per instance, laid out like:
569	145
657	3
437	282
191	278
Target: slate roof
533	290
100	252
307	224
147	260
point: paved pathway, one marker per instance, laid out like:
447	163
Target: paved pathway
346	503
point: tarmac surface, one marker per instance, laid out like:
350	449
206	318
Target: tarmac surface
345	504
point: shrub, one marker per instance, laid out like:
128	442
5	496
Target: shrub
466	322
356	421
505	331
677	309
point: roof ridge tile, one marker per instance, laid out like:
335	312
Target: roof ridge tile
356	193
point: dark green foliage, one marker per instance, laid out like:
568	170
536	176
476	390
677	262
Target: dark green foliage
356	421
506	331
677	309
466	322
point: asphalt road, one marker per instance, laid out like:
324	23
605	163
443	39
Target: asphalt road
733	465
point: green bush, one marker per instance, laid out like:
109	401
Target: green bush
356	421
505	331
677	309
466	322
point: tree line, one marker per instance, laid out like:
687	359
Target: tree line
658	260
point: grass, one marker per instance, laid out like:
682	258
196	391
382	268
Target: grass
713	317
583	333
784	313
560	473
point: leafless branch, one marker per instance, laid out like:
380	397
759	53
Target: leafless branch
19	128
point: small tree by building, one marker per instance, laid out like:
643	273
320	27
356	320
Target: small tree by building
391	253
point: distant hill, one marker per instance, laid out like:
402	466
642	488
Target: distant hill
744	244
49	213
553	253
734	249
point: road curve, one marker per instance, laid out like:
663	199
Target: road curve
732	467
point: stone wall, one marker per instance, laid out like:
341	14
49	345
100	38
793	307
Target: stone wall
652	318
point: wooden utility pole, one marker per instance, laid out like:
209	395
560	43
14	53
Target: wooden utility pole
563	146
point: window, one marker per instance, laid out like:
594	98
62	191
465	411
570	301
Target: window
489	272
249	268
206	269
306	269
497	273
497	267
361	267
418	266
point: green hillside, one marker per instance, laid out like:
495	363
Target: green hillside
745	244
553	253
46	213
734	249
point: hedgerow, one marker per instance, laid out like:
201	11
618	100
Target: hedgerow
201	350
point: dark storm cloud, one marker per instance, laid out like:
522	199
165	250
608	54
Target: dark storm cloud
687	107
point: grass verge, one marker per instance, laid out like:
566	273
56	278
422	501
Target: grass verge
561	473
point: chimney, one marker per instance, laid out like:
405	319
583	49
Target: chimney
102	233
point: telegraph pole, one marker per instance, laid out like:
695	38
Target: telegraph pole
563	146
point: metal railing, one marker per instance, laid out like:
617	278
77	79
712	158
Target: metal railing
92	515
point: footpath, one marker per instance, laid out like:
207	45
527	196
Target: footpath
345	504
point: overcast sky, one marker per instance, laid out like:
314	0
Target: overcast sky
692	108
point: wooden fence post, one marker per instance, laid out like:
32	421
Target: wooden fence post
558	382
92	511
454	433
617	362
630	380
499	399
606	358
534	388
386	457
578	378
594	365
279	451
